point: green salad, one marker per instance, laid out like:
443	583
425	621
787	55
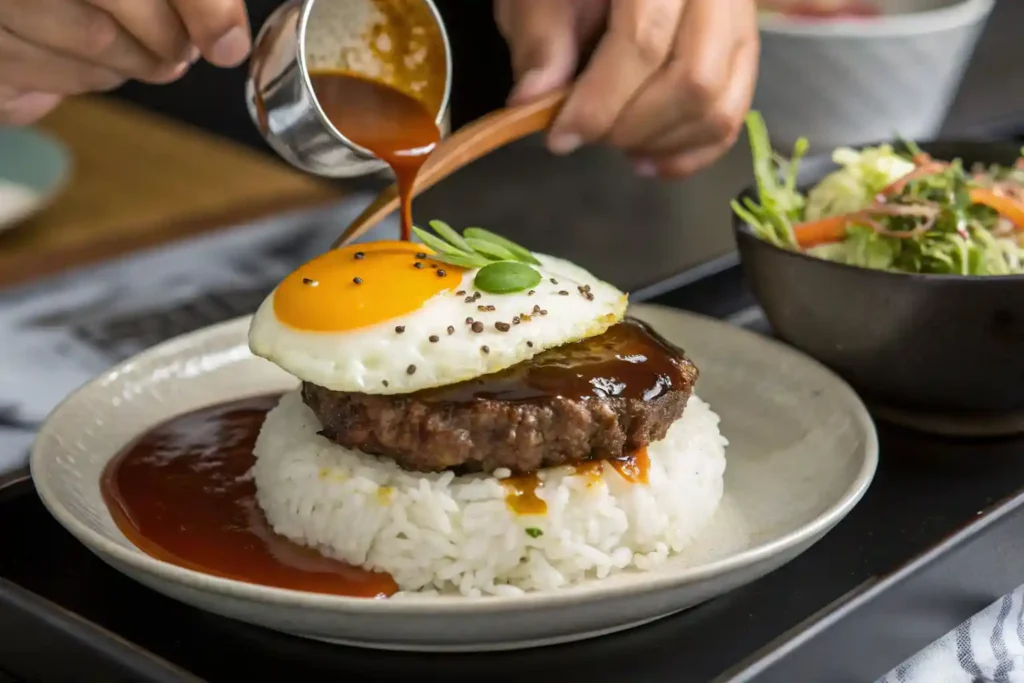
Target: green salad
890	207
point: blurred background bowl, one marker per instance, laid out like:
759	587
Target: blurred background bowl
34	169
945	353
848	81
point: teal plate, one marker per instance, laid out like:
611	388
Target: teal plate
33	169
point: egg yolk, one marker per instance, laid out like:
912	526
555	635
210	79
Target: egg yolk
362	285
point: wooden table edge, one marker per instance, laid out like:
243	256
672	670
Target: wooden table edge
16	269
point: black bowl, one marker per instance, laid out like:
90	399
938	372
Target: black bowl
932	344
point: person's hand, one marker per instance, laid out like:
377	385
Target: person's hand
669	81
53	48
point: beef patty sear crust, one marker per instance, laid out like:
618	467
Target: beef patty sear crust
601	398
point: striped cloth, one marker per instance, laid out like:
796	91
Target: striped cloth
987	648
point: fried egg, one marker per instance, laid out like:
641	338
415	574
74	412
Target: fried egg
366	318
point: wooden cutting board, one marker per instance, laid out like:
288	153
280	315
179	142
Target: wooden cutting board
139	180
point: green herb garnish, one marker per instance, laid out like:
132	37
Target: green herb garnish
521	253
505	277
505	267
534	532
449	235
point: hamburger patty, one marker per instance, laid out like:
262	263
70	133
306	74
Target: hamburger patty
601	398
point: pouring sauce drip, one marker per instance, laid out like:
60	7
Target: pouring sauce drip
397	128
180	494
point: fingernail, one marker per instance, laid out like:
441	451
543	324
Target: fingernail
530	85
168	73
231	49
564	143
193	55
645	168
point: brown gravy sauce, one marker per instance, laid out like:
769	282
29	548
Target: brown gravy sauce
630	360
398	128
180	494
522	497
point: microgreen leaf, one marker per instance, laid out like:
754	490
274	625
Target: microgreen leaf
436	243
490	249
534	532
521	253
504	277
462	260
449	235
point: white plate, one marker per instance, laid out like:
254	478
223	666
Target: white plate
803	451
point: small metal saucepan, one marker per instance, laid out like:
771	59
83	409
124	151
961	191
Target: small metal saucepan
402	43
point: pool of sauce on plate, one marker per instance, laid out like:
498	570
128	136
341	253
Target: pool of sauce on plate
180	494
396	127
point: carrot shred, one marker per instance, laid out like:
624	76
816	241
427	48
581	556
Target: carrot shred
925	168
823	231
1006	207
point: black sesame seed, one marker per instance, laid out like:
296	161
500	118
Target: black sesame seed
357	280
485	349
481	308
384	382
451	330
536	308
490	308
477	295
470	299
469	321
441	273
400	329
311	283
543	312
411	370
563	293
502	327
434	338
461	292
417	265
515	320
554	281
531	292
588	296
477	327
421	255
530	344
360	256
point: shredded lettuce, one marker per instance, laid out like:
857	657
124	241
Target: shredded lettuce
853	187
927	224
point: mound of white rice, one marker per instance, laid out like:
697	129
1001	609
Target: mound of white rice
447	533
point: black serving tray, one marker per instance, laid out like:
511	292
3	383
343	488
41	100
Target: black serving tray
933	542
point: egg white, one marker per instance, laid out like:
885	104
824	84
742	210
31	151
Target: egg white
379	360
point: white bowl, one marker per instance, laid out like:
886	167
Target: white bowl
856	81
802	452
